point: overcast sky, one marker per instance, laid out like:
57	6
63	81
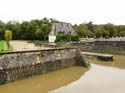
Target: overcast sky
73	11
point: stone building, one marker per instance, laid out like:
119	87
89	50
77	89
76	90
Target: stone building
58	28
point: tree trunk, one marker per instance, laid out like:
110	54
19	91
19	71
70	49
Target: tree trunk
8	44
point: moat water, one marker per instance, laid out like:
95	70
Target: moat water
102	77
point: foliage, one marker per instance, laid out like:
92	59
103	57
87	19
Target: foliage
27	30
39	30
75	37
81	30
45	30
1	46
105	30
67	37
38	33
8	35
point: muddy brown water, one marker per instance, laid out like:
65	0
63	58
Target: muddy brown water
102	77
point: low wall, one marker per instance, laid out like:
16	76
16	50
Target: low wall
20	65
113	47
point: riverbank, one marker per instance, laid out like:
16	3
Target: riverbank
46	82
22	64
118	62
1	46
102	46
102	77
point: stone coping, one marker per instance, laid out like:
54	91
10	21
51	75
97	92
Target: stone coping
11	52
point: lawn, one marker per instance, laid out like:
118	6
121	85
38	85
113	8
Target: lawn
4	47
1	46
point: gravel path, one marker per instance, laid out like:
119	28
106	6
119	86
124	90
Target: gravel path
18	45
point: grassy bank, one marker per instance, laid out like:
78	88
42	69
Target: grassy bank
1	46
4	47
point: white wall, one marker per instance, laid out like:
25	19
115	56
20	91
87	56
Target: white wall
52	38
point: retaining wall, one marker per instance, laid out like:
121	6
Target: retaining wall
113	47
23	64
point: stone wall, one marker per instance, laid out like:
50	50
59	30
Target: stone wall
20	65
113	47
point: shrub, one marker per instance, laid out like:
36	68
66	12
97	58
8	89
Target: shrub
75	37
67	37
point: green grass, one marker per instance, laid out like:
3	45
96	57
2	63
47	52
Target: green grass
8	48
1	46
4	47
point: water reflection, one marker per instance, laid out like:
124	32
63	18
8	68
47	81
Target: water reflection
44	83
99	79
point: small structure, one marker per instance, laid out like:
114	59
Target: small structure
52	38
103	57
58	28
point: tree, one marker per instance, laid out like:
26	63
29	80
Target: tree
38	33
112	29
8	36
89	34
81	30
90	26
45	20
2	26
122	33
98	31
45	30
30	30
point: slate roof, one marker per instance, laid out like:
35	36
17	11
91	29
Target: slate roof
62	27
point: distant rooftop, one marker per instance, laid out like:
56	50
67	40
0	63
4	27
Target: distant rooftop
62	27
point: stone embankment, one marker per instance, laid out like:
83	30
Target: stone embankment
23	64
102	46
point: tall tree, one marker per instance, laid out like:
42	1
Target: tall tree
81	30
90	26
8	36
38	33
112	29
45	30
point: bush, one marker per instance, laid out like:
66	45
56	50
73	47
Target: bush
67	37
75	37
58	38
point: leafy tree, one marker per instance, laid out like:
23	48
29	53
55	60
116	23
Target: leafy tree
8	36
90	34
38	33
90	26
30	30
112	29
81	30
2	29
122	33
45	31
45	20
